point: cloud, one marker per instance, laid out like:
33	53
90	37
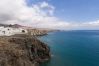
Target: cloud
40	15
91	25
50	8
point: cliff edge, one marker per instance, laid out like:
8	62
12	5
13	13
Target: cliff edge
22	51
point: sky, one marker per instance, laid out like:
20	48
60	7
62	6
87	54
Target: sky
54	14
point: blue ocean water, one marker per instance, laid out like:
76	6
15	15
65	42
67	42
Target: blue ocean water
73	48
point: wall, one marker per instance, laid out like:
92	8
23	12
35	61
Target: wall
8	31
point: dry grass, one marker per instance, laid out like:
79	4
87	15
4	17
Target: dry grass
12	54
16	51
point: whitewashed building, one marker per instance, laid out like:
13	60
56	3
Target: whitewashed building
8	31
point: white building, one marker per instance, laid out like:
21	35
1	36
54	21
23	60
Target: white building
8	31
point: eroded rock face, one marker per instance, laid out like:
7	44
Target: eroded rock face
22	51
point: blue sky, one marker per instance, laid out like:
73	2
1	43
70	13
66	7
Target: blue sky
74	10
54	14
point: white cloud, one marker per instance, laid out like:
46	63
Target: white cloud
38	15
86	25
44	4
94	23
50	8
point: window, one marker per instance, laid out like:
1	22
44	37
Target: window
3	32
8	29
23	31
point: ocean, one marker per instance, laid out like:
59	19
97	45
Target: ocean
73	48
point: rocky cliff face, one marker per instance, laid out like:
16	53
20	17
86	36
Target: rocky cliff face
22	51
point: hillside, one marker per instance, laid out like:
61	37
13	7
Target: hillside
22	51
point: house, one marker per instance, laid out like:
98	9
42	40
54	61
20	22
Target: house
8	31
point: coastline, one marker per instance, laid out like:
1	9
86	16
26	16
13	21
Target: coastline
23	51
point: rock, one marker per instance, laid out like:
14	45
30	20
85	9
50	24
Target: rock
22	51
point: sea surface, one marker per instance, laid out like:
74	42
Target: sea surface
73	48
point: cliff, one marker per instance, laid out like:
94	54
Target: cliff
22	51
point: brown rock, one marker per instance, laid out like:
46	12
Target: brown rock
22	51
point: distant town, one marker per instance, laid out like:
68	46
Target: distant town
9	30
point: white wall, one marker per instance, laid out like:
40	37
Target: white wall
8	31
